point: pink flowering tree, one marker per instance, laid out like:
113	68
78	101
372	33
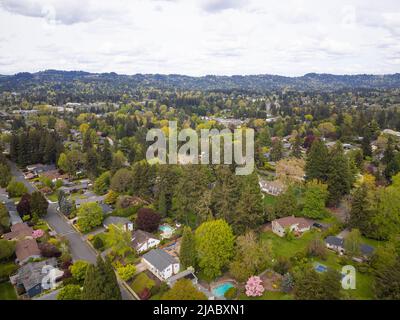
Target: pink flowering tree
37	233
254	287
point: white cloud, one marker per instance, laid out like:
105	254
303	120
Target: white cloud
198	37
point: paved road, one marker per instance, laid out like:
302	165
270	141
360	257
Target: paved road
80	250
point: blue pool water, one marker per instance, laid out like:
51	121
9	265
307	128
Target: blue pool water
166	229
320	268
220	290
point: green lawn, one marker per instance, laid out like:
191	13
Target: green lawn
269	199
140	282
7	291
288	248
364	281
53	197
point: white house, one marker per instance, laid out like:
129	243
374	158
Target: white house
294	224
161	264
126	224
142	241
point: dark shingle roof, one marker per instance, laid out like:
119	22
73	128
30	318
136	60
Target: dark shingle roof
334	241
159	259
366	249
140	236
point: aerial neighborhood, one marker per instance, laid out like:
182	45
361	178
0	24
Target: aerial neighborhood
81	204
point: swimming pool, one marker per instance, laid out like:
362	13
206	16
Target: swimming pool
165	229
220	290
320	268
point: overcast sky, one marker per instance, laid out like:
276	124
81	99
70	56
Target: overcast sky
199	37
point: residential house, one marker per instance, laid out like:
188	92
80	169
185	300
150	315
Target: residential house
19	231
25	250
189	274
10	206
294	224
93	198
35	277
117	221
161	264
142	241
274	188
335	244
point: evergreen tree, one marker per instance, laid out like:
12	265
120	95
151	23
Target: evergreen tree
249	209
276	152
317	162
285	205
296	148
339	175
106	155
101	282
38	204
361	212
314	200
187	253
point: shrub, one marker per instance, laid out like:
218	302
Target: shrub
231	293
282	265
48	250
126	272
145	294
78	270
70	292
147	220
16	189
7	269
98	243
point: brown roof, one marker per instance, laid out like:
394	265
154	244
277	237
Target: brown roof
289	221
18	231
26	248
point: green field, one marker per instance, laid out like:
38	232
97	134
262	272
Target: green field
7	291
269	199
287	248
364	281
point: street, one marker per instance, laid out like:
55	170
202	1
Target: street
79	249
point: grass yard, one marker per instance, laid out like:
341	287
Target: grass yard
140	282
7	291
269	199
364	281
287	248
53	197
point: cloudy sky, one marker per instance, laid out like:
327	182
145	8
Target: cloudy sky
198	37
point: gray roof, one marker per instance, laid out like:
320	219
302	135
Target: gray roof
14	217
187	274
106	208
140	236
115	220
334	241
159	259
31	274
366	249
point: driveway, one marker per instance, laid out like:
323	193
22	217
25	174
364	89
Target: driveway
79	249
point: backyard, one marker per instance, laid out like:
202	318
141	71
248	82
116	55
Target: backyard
140	282
283	247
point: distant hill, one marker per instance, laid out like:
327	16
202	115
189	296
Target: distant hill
112	84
